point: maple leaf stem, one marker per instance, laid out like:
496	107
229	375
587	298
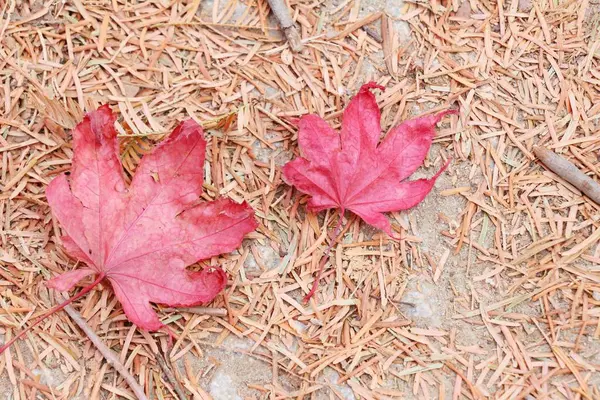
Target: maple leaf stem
336	232
54	309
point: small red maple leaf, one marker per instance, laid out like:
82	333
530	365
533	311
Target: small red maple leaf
142	237
350	171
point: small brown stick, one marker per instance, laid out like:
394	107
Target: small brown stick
569	172
216	312
281	12
356	25
110	356
162	363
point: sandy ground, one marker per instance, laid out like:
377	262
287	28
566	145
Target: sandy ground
227	372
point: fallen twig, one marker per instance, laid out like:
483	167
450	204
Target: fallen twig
110	356
569	172
162	363
356	25
281	12
217	312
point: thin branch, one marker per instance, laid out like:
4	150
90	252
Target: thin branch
110	356
356	25
216	312
162	363
281	12
569	172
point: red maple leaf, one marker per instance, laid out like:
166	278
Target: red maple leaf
142	237
350	171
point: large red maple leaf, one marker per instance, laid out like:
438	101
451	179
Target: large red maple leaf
350	171
142	237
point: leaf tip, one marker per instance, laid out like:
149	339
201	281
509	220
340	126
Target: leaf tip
102	121
190	127
369	86
438	117
295	121
250	214
216	278
56	284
